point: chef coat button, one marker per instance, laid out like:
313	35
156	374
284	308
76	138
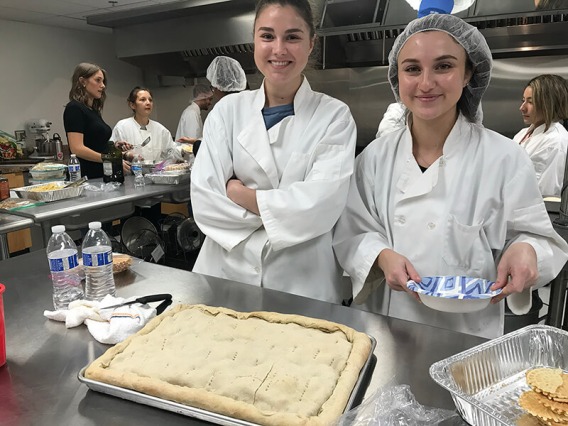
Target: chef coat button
431	225
401	220
256	269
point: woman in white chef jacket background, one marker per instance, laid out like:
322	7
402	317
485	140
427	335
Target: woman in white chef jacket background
544	107
148	138
272	175
444	195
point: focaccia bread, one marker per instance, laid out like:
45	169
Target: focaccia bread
262	367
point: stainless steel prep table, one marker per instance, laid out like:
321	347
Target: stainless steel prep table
77	212
39	385
9	223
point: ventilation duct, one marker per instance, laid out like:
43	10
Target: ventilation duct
361	32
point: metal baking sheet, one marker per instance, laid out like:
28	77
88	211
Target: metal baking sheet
486	381
210	416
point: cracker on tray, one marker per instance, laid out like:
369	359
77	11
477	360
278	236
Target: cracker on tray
262	367
532	402
552	382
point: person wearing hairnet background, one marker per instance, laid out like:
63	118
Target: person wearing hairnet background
226	76
190	126
444	195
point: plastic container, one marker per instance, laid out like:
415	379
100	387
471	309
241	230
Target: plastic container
2	329
137	171
63	264
97	263
74	168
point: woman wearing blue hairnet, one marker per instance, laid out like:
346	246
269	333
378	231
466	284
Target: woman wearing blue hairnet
444	195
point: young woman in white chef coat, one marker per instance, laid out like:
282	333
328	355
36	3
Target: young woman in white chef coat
272	175
544	106
444	195
147	137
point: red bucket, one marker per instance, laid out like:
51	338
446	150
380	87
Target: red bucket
2	329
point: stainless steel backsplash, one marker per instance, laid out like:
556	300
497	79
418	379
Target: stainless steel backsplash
368	93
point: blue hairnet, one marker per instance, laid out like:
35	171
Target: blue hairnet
226	74
475	47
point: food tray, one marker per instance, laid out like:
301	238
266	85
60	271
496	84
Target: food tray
168	178
47	196
198	413
486	381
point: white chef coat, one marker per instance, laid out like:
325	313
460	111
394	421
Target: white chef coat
547	150
393	119
300	169
454	219
161	143
190	123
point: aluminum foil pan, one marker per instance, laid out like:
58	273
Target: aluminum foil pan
486	381
168	178
58	193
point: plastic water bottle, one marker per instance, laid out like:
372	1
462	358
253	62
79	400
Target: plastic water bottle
63	264
136	168
97	261
74	168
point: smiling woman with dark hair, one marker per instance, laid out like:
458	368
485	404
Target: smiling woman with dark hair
272	174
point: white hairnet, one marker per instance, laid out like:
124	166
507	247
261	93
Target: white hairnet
475	47
226	74
201	91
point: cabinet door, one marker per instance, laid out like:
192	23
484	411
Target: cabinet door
17	240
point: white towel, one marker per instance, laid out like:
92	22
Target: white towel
109	326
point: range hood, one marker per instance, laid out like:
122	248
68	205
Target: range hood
361	32
182	38
179	40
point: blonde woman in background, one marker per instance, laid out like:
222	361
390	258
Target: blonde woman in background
544	107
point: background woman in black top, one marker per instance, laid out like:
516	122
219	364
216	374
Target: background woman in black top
87	133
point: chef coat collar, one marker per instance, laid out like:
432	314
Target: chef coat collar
299	98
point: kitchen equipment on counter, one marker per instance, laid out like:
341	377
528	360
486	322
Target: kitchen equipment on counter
43	145
47	192
486	381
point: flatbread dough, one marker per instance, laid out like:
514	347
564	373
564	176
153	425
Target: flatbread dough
262	367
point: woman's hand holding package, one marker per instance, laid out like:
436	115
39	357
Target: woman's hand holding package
517	270
243	196
397	270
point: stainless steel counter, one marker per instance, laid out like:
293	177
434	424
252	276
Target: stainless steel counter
76	213
9	223
39	385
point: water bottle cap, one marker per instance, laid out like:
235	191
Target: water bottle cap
74	155
58	229
95	225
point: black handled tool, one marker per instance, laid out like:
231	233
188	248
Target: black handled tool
166	298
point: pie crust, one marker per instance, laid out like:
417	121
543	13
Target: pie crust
262	367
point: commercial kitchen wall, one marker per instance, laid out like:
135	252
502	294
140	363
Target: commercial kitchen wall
37	62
